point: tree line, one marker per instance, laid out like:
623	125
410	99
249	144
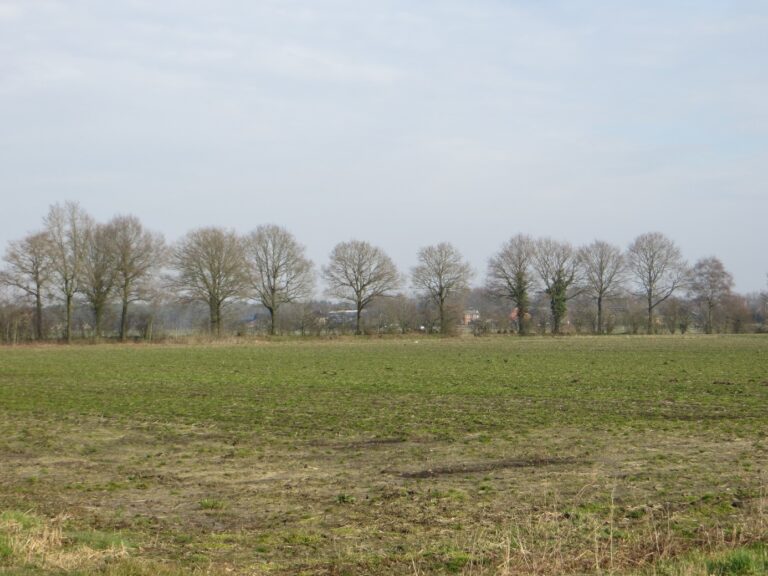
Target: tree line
74	263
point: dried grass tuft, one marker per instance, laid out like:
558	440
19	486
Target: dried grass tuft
42	543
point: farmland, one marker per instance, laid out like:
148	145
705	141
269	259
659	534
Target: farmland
386	456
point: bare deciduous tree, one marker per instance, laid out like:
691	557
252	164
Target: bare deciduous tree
558	267
764	302
279	270
29	270
736	315
395	314
710	285
66	227
98	272
509	275
137	253
658	269
359	273
210	266
441	274
603	268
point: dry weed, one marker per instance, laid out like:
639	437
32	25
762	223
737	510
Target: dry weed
44	544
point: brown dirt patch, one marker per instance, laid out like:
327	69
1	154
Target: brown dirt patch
463	468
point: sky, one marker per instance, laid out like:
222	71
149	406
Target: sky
397	122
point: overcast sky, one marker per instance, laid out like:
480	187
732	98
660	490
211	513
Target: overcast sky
403	123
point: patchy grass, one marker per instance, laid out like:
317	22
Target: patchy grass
743	561
469	456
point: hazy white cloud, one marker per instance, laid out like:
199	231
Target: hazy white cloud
305	63
428	121
9	11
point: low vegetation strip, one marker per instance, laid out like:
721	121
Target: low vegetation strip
500	456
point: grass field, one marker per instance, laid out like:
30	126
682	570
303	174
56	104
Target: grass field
606	455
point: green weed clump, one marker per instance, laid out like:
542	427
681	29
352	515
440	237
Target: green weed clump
742	562
212	504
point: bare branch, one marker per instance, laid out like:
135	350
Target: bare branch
210	266
658	269
441	274
278	270
358	273
509	275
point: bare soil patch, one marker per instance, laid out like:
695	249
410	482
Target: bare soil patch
473	467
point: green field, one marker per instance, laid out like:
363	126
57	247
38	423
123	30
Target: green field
387	456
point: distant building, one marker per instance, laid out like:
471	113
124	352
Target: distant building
343	318
469	317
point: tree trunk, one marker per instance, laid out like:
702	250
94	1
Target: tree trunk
98	312
68	328
599	314
271	321
559	309
650	315
124	320
38	315
215	311
357	324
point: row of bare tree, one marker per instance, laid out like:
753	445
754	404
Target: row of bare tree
75	258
